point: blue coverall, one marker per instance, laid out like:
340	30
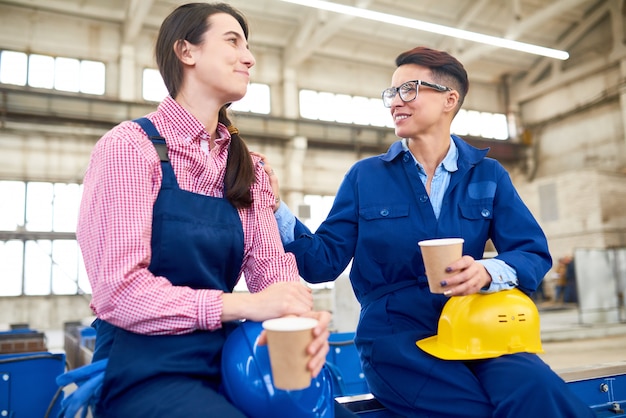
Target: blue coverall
380	213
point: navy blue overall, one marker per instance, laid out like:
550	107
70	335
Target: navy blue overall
197	241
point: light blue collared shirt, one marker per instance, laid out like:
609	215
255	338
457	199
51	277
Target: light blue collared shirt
286	223
441	179
503	276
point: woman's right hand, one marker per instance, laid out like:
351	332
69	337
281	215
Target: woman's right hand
276	300
281	299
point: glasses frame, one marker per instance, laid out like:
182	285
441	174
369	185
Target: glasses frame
388	97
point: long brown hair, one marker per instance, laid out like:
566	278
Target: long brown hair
189	22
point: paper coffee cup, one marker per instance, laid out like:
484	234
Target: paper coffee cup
438	254
287	341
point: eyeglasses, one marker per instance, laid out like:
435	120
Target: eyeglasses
408	91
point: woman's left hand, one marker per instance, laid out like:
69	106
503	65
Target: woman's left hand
319	347
470	277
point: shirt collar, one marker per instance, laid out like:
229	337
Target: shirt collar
187	124
449	161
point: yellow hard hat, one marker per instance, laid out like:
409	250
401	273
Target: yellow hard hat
483	326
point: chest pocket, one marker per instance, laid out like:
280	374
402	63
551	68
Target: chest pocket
383	229
477	211
383	212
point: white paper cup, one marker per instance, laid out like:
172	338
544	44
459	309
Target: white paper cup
287	341
438	254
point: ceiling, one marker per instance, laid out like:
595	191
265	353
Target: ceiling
303	33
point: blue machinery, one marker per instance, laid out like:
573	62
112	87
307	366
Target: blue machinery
601	387
28	387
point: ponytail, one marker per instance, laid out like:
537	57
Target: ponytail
239	175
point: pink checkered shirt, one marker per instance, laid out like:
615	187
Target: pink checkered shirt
114	227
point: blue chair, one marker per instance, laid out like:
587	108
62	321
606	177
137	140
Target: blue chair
345	365
28	384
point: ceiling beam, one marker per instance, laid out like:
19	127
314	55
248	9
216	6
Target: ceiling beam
313	33
136	13
522	27
475	9
100	13
528	87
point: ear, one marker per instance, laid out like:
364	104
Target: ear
182	49
452	100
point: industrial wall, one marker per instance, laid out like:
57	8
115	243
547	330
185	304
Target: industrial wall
571	122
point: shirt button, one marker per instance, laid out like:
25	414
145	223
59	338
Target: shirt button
406	158
424	198
485	213
384	212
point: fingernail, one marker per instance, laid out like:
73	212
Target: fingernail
448	269
447	293
443	283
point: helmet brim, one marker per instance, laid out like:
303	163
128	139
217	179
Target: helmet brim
435	348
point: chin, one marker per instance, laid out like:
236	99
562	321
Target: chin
400	133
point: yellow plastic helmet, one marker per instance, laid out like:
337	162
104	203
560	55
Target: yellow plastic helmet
481	326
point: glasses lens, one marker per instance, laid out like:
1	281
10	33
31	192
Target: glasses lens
388	95
408	91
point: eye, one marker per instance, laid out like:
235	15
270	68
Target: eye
407	88
232	40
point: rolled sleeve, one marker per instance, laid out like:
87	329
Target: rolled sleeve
209	309
286	223
503	276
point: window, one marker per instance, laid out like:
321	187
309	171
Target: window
154	89
256	100
343	108
41	71
12	198
483	124
13	67
66	74
360	110
60	73
40	264
12	276
92	76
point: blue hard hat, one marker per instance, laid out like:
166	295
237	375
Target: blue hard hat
247	381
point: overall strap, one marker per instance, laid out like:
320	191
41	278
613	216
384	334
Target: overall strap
157	140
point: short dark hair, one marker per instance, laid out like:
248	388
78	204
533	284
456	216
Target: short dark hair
446	69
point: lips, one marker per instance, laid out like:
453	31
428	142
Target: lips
400	117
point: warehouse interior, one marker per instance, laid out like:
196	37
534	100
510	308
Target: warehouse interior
558	124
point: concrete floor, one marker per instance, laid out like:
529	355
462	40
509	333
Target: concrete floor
573	354
568	344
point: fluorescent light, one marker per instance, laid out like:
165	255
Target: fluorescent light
432	27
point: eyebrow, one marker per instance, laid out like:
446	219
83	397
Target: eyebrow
237	35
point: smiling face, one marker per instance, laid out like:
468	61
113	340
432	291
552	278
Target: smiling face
220	65
430	113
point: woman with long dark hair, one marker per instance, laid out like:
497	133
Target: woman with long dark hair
175	210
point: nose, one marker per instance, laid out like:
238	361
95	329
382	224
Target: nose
248	58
